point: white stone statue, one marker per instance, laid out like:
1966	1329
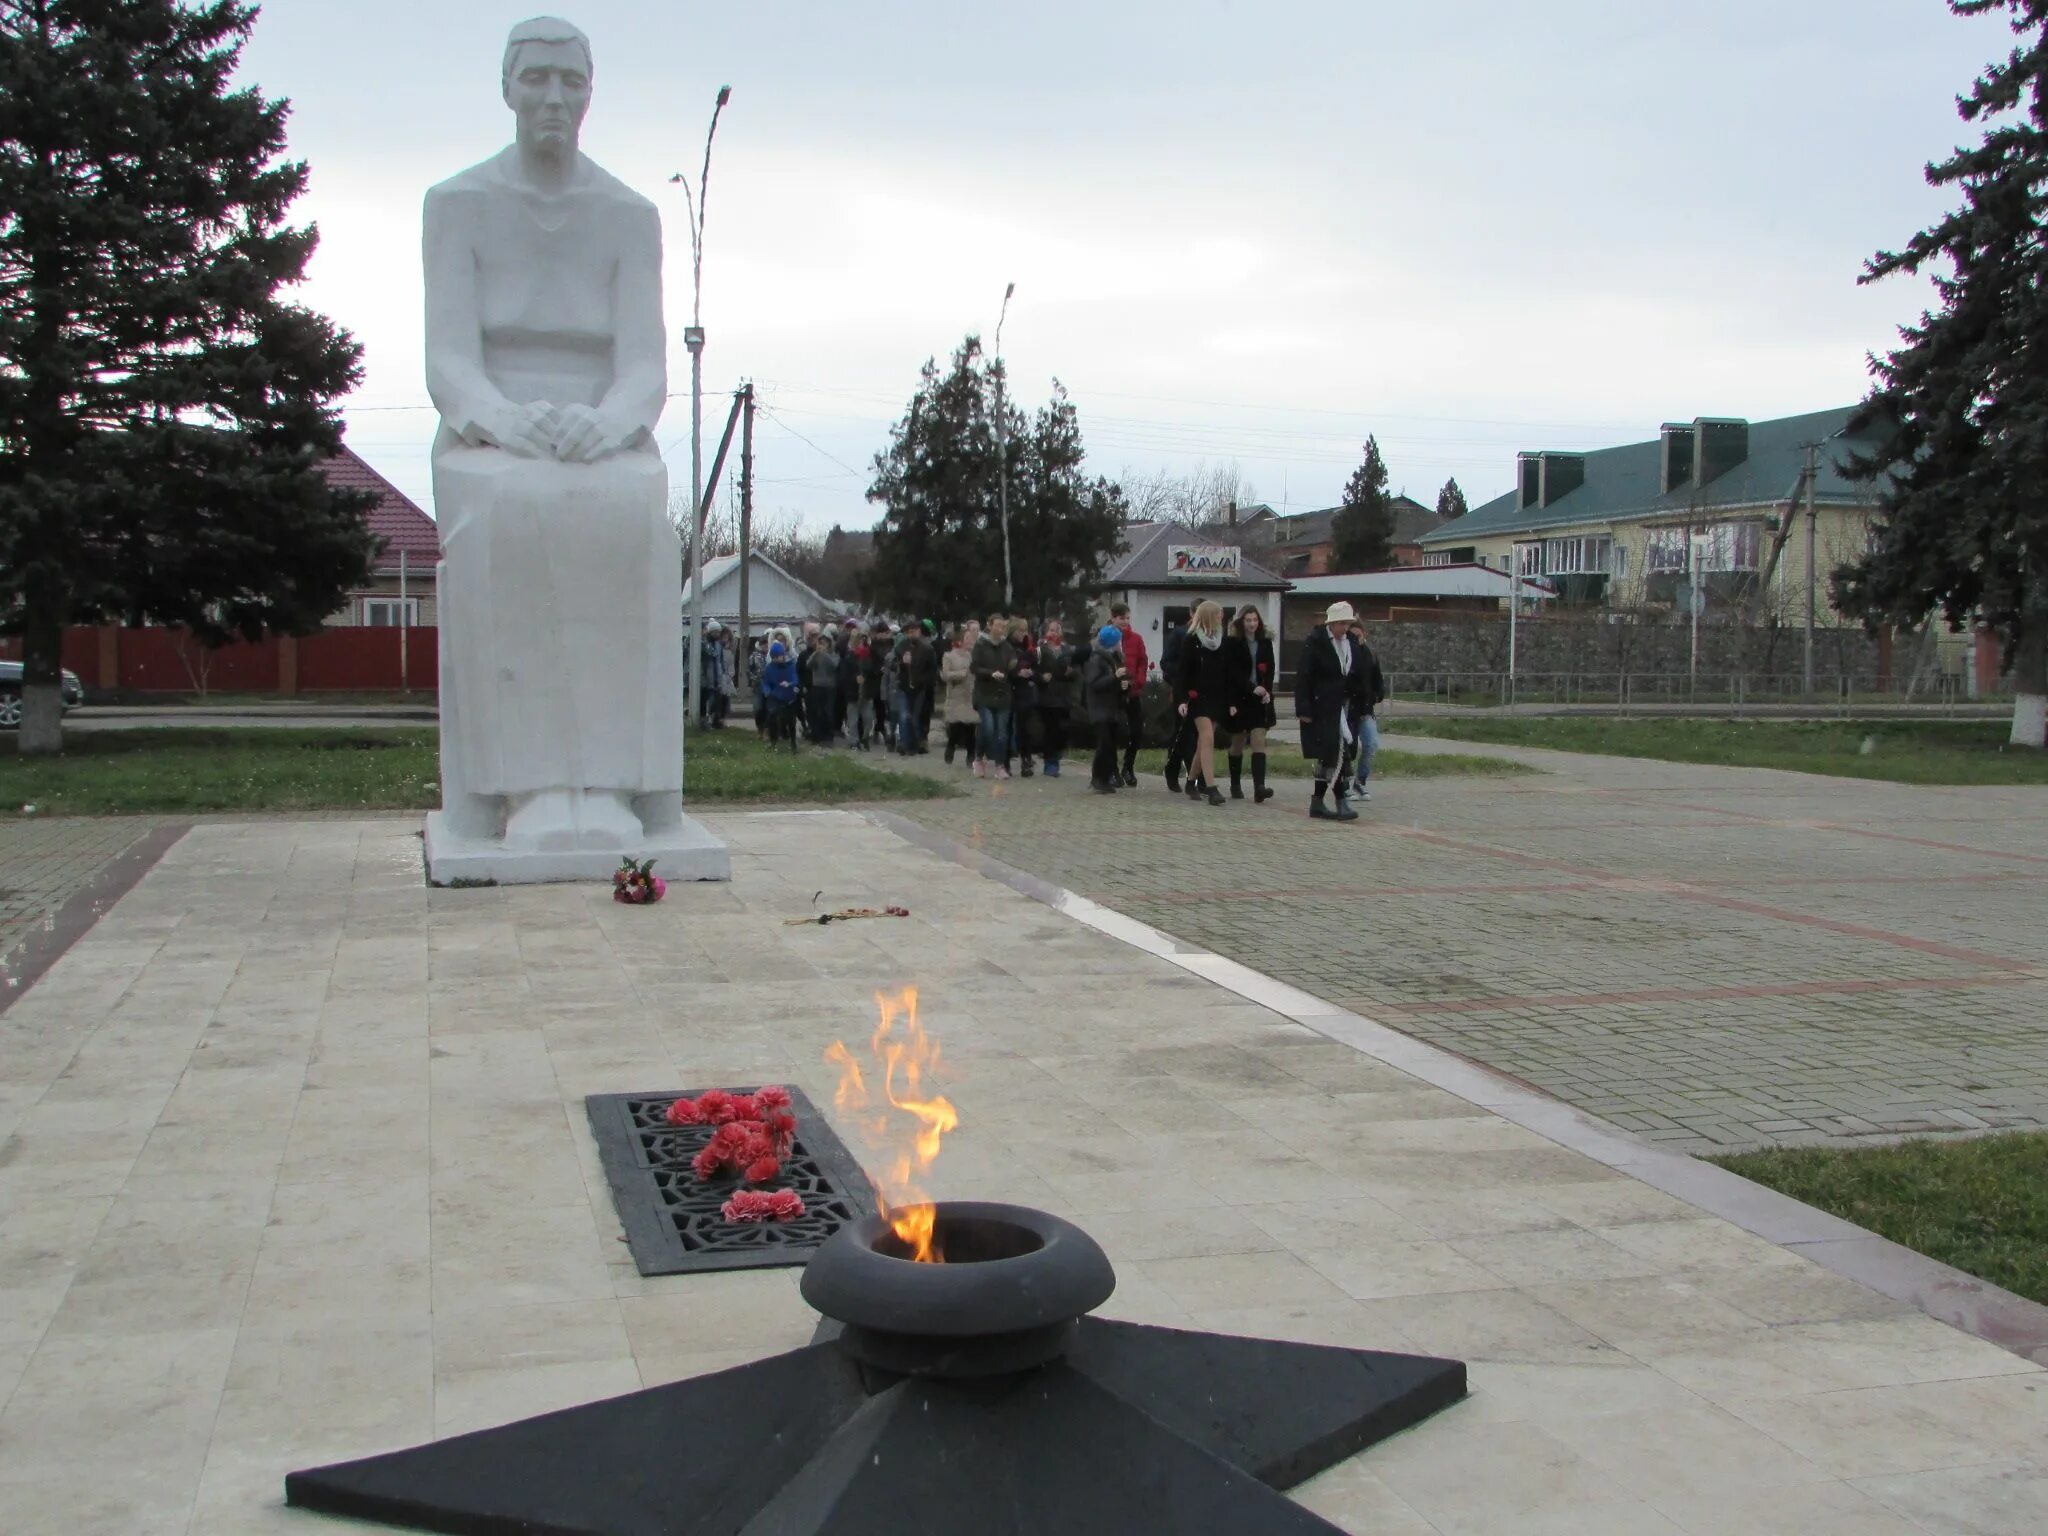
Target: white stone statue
560	585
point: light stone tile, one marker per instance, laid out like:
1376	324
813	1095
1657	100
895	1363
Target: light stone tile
1870	1431
1817	1509
1309	1226
116	1405
1703	1243
1490	1325
471	1400
1241	1280
1402	1269
93	1501
1351	1498
1552	1257
1490	1477
1686	1453
1508	1391
524	1338
2005	1500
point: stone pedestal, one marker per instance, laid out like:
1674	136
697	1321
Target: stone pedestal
684	851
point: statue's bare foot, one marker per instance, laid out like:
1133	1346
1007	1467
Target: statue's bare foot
544	820
605	819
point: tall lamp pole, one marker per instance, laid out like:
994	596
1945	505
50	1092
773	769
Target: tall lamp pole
693	338
1003	451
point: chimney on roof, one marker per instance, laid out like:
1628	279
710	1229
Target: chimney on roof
1723	444
1700	451
1233	512
1542	478
1562	474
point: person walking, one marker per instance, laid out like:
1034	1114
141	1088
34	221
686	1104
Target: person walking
995	664
866	672
1137	668
1366	725
1328	686
957	673
757	663
917	670
779	691
849	679
1206	695
824	704
1248	662
1181	749
1024	697
1104	697
1056	673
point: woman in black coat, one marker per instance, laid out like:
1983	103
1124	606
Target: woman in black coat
1329	684
1206	694
1248	663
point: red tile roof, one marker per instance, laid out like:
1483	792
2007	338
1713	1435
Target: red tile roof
395	518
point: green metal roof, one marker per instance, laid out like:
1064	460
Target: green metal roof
1621	484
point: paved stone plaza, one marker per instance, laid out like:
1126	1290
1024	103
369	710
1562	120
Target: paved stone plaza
295	1169
1711	957
45	861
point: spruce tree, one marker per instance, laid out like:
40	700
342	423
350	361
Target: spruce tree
1963	524
939	545
1450	501
163	411
1362	532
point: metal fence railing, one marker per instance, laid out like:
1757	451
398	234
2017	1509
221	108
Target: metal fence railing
1729	692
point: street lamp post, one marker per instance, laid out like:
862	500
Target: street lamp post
1003	452
693	338
1698	549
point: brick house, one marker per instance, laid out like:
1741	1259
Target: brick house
1302	544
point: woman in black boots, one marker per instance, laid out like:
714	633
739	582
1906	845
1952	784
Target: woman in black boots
1248	661
1206	692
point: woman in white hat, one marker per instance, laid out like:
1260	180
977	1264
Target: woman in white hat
1329	686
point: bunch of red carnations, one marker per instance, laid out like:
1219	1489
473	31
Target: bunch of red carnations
753	1132
635	883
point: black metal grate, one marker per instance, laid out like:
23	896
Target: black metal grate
671	1217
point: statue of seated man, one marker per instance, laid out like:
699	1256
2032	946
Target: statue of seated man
560	585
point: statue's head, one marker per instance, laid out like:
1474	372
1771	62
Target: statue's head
547	78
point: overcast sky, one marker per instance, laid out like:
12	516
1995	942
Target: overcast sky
1239	232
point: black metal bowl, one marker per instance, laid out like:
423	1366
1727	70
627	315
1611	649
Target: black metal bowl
1006	1297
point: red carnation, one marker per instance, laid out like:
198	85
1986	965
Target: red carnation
745	1108
715	1105
763	1205
783	1128
684	1112
763	1169
772	1097
706	1164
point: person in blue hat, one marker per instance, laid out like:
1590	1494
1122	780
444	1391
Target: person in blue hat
1104	683
779	690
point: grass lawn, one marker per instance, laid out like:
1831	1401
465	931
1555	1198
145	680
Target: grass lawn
1980	1205
1286	762
175	771
1904	751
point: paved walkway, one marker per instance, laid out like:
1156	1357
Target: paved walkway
1712	957
295	1168
45	861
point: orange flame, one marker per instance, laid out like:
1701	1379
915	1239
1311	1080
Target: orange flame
903	1056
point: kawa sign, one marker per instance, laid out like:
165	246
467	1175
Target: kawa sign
1202	561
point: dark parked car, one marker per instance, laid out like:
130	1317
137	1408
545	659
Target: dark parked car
10	694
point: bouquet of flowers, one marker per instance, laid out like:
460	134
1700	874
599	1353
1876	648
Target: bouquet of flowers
635	883
752	1134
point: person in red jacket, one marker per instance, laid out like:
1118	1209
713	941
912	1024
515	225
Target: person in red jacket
1139	667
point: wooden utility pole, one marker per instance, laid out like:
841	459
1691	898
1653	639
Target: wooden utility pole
745	642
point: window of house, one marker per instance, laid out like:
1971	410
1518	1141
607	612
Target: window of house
1725	547
391	612
1580	555
1436	557
1529	559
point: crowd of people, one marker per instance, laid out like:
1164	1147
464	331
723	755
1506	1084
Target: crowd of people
1004	694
